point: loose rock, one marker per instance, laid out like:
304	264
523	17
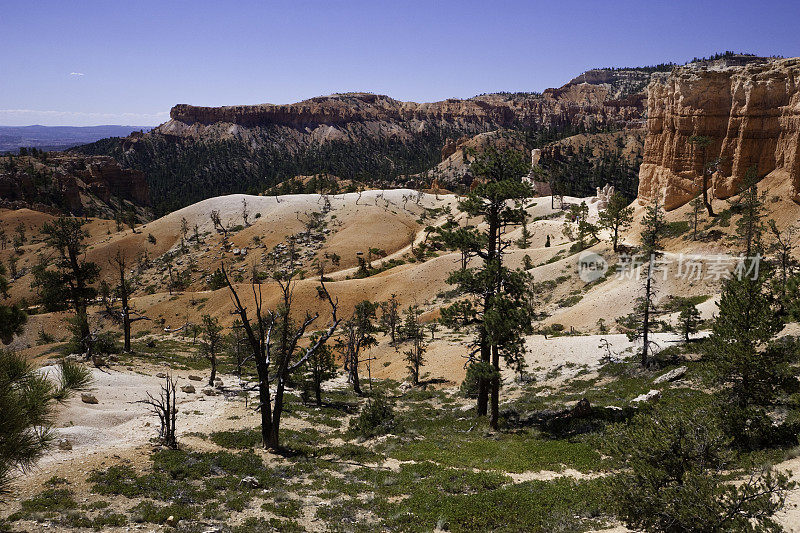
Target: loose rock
89	398
650	396
672	375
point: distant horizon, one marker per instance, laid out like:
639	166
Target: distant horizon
69	126
96	63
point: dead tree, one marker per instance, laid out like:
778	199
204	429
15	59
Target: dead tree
245	213
276	358
357	335
164	408
124	315
216	219
212	340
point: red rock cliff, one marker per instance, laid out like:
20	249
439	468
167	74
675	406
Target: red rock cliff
751	113
578	102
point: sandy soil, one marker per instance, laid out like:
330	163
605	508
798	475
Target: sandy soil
117	429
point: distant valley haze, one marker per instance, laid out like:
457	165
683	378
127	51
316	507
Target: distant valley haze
12	138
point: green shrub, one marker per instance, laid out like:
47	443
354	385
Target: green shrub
237	439
377	417
675	456
676	229
475	371
216	280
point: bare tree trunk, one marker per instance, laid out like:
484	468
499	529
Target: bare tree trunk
495	400
265	403
483	384
646	318
213	376
354	377
706	201
261	347
126	312
318	392
486	349
165	408
705	196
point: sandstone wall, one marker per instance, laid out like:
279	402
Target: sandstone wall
751	113
575	103
69	181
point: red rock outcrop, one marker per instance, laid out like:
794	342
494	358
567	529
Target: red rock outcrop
750	113
70	182
597	101
103	174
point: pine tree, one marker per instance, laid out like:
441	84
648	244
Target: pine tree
414	333
702	142
783	245
496	305
390	317
184	231
694	215
28	398
524	240
12	318
358	334
577	226
72	278
743	357
616	216
689	319
124	314
320	367
653	223
236	345
676	456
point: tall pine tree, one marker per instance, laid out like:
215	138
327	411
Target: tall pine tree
750	366
495	298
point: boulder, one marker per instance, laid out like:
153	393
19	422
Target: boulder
64	444
188	389
647	397
89	398
672	375
249	481
195	378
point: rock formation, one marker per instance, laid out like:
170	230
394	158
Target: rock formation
70	183
750	112
574	103
603	196
358	136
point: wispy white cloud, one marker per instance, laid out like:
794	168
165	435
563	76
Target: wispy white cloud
76	74
17	117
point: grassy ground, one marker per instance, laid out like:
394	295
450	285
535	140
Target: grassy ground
439	468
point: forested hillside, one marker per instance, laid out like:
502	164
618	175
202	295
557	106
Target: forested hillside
181	172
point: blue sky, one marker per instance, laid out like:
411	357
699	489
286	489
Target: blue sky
113	62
